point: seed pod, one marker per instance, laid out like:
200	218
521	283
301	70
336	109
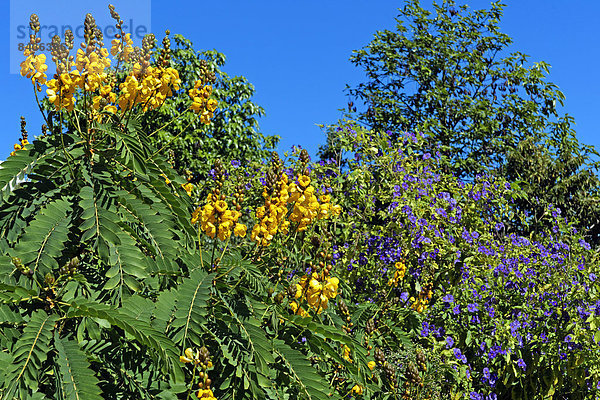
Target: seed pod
279	298
379	356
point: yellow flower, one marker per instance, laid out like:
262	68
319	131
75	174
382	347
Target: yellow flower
224	233
303	180
206	394
331	287
221	206
358	390
115	47
188	188
189	356
371	365
347	353
299	290
239	230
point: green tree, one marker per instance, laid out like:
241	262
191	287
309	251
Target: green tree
448	74
233	131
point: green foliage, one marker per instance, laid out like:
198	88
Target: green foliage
447	73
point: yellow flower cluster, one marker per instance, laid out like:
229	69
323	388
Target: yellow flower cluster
272	214
18	146
217	220
34	67
398	274
61	90
147	86
122	51
149	89
306	204
201	104
89	75
357	390
422	302
317	289
91	68
306	207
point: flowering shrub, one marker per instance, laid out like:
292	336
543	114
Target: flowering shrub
497	313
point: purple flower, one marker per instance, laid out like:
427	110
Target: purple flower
450	342
457	353
584	244
472	307
486	373
521	363
448	298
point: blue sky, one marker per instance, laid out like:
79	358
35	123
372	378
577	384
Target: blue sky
296	54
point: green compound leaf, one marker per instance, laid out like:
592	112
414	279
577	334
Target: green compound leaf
44	238
29	353
78	380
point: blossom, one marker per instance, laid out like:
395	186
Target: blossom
358	390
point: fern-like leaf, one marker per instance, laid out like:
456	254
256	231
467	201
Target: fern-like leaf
29	353
44	238
192	298
78	380
162	348
310	383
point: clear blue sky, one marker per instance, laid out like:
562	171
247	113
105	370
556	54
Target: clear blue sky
296	55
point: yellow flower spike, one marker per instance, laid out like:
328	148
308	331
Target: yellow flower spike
347	353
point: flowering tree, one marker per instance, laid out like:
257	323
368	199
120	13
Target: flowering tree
109	291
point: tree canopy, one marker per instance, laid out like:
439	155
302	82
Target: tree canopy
449	74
